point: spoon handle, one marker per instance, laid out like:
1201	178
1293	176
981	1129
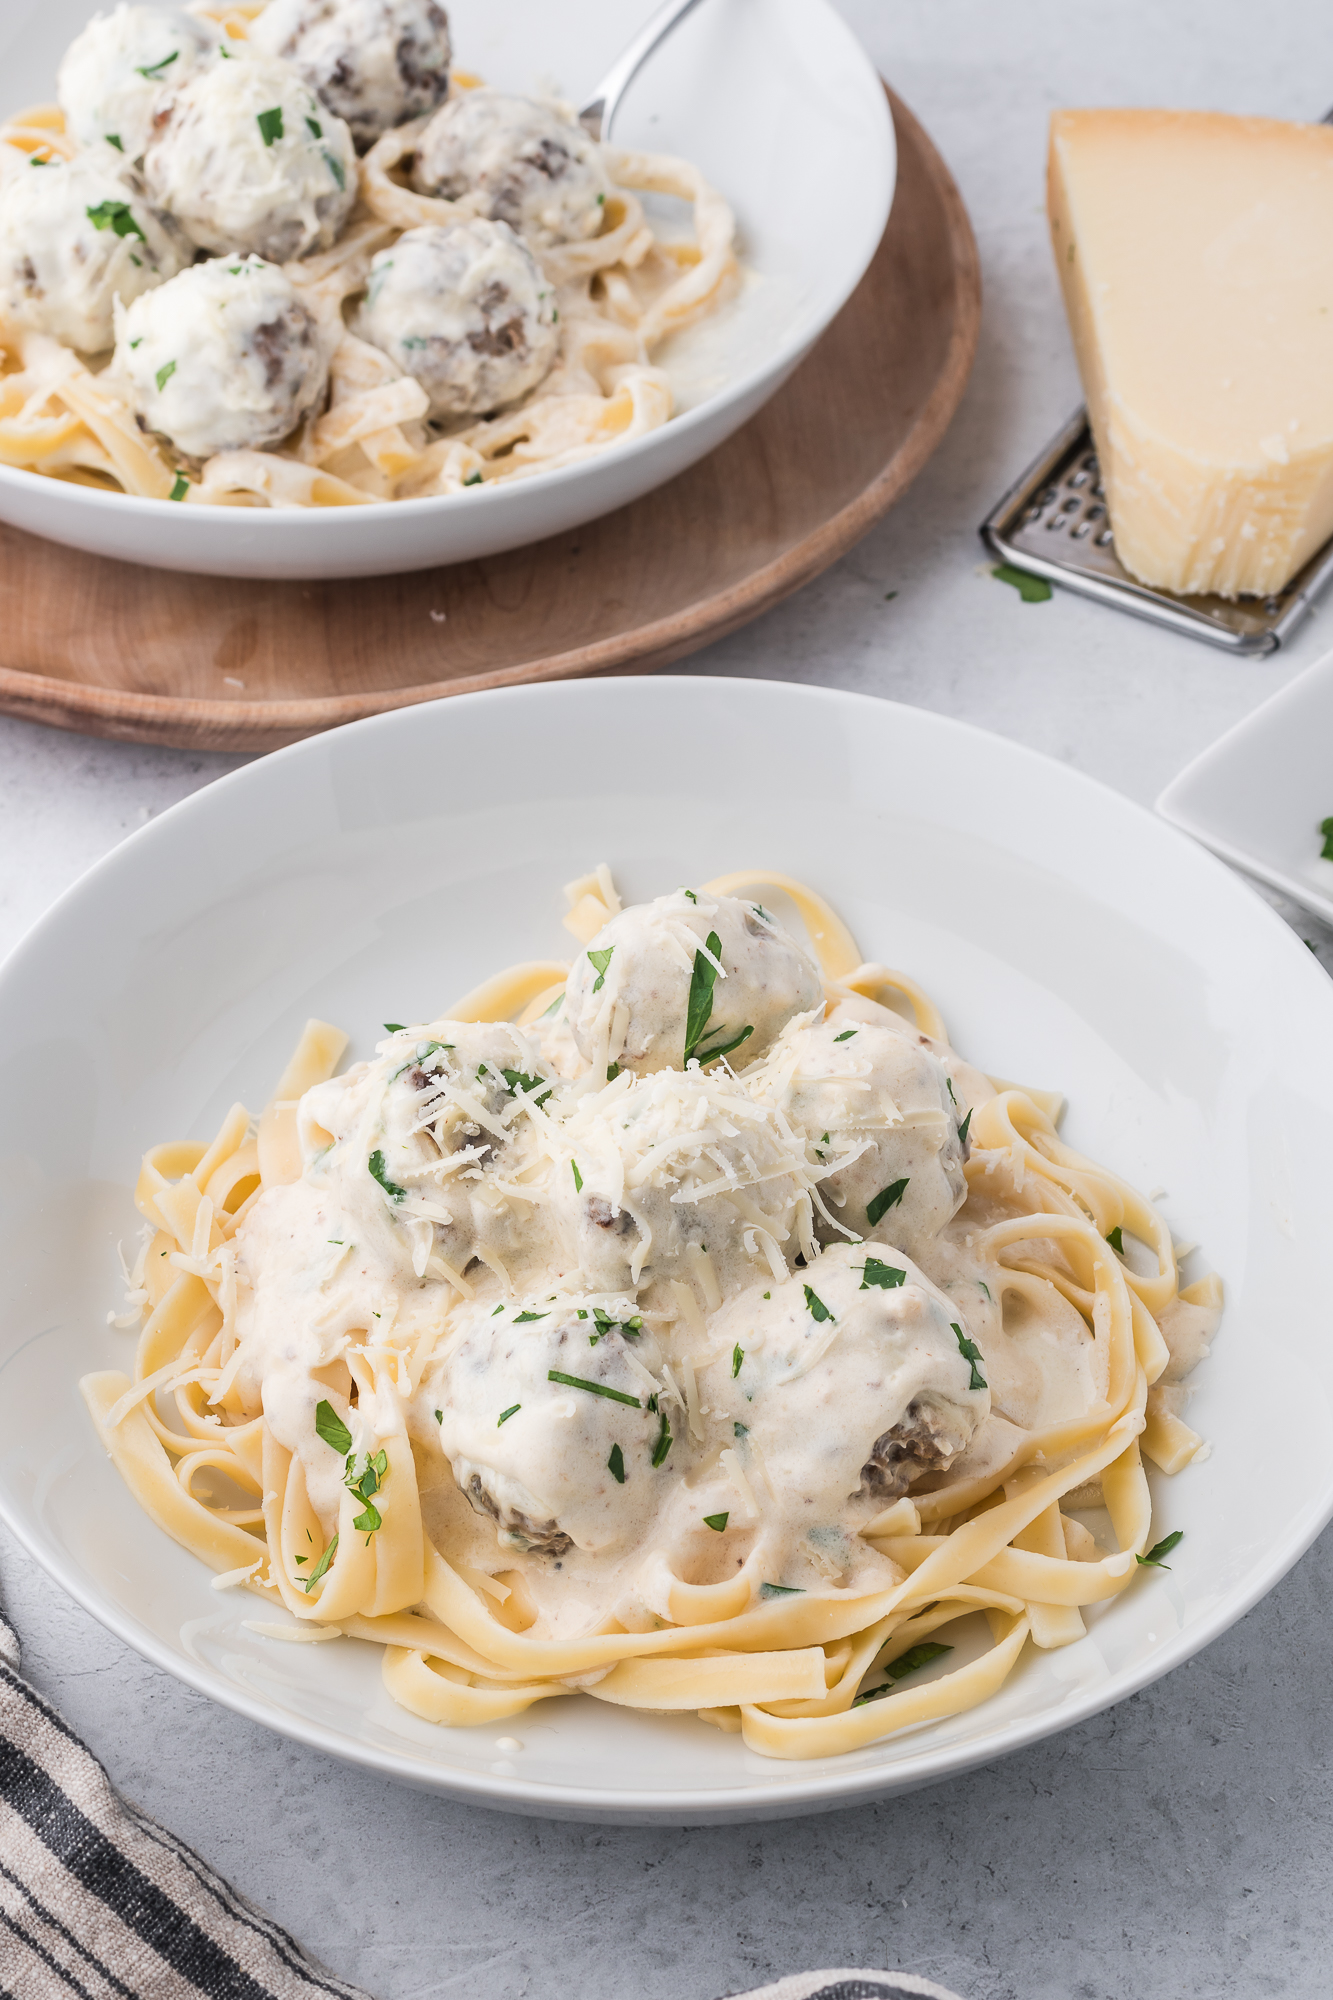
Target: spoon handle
601	108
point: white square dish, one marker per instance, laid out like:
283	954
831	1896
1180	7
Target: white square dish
1257	796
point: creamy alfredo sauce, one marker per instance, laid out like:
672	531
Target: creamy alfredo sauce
644	1315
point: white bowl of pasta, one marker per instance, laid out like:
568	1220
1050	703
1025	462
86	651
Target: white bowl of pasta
746	188
864	1465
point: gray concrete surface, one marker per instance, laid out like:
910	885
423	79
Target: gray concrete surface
1177	1846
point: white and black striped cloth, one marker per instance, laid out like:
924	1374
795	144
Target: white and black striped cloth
98	1902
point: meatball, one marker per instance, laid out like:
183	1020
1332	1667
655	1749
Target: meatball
113	73
851	1379
555	1465
466	310
251	162
631	995
375	63
519	161
883	1099
223	358
73	238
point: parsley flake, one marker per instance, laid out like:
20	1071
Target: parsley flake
596	1389
154	70
971	1353
335	166
439	1416
180	488
472	478
818	1310
113	139
270	124
308	1583
962	1129
330	1426
1326	828
520	1318
845	1036
578	1177
314	127
767	1590
719	1050
887	1276
906	1663
1116	1239
717	1522
740	1430
600	962
517	1080
505	1415
886	1199
690	893
700	1004
1032	589
393	1027
377	1172
1162	1548
164	375
663	1445
737	1356
615	1465
612	1072
117	216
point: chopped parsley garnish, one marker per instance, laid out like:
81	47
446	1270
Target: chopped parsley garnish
1032	589
596	1389
818	1310
962	1129
335	166
663	1445
393	1027
690	893
365	1483
138	342
505	1415
631	1328
740	1430
948	1084
716	1053
970	1353
308	1583
615	1465
517	1080
1162	1548
578	1177
330	1426
113	139
887	1276
180	488
612	1072
760	911
554	1007
497	1312
472	478
887	1198
768	1295
906	1663
780	1590
154	70
117	216
700	1004
1326	828
439	1416
986	1289
737	1356
845	1036
520	1318
270	124
717	1522
314	126
600	962
1116	1239
164	374
391	1188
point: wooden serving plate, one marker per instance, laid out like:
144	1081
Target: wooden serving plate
152	656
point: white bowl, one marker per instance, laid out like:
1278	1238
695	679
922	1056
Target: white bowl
1070	939
1258	795
776	102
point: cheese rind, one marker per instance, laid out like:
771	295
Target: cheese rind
1195	251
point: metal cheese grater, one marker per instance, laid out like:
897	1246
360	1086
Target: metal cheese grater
1054	523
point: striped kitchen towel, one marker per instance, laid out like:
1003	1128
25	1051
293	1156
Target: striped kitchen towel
99	1902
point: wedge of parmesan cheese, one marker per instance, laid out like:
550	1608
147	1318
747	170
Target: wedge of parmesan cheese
1196	255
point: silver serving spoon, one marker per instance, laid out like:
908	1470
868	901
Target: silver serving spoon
601	108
